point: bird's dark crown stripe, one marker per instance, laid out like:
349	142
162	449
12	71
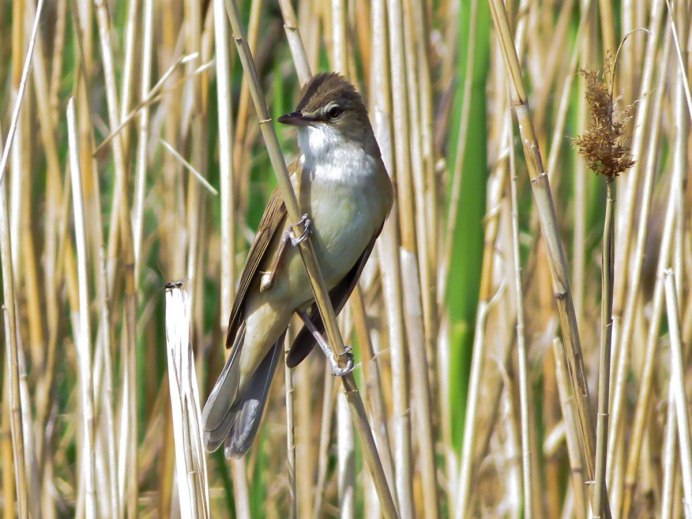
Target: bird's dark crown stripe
326	87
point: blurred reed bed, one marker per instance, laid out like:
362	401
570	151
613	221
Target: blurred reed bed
132	156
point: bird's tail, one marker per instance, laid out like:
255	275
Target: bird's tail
232	416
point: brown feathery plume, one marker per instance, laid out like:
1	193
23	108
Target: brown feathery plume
602	146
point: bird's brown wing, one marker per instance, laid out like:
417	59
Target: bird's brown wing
304	341
271	223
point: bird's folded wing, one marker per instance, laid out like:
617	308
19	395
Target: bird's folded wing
272	221
304	341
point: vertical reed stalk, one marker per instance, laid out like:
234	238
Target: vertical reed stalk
290	438
641	413
678	389
6	248
670	460
624	223
524	399
601	495
577	479
83	336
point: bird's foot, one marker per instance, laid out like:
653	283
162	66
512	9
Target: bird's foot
340	371
306	224
337	369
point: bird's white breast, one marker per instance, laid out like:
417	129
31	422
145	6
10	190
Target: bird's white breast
339	192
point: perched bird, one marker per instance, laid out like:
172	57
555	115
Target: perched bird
343	188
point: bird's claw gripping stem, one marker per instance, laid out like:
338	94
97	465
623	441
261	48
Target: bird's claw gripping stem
337	370
306	223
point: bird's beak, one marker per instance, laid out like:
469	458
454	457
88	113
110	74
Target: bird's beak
294	119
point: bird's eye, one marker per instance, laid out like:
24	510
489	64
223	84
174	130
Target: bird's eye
334	112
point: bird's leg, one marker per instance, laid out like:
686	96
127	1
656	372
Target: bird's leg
268	277
337	370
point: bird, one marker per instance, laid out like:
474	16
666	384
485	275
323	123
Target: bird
345	195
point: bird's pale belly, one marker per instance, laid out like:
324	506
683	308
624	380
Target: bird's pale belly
343	223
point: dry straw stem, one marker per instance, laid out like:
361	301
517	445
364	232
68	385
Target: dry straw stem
346	470
670	458
416	264
622	343
344	431
642	410
12	361
196	174
290	436
525	408
374	394
120	238
12	346
570	426
540	186
624	223
295	41
83	336
246	131
388	252
222	61
678	388
563	105
311	265
143	133
190	458
682	11
400	169
328	401
604	357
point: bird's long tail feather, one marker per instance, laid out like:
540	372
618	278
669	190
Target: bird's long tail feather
232	417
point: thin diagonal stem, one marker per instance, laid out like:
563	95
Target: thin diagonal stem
310	261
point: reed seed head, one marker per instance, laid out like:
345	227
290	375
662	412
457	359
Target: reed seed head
603	145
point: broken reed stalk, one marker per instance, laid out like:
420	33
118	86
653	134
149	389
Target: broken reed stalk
540	185
190	457
311	265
